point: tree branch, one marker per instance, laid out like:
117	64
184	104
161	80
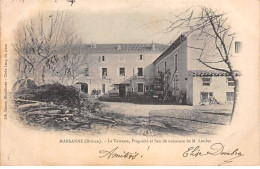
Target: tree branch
214	68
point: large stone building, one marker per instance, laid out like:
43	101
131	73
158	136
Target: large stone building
119	69
132	69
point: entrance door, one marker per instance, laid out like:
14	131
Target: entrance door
84	87
122	90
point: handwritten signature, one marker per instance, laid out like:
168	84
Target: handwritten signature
114	154
216	149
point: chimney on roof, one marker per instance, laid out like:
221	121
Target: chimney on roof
93	45
153	46
118	47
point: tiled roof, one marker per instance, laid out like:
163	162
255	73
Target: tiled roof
124	48
210	73
173	46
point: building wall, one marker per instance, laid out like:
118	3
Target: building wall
218	86
181	52
189	99
193	54
186	60
112	62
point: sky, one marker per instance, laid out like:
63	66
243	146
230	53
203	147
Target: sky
122	27
130	21
126	21
133	21
117	21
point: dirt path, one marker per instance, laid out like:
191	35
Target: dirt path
125	118
132	109
194	119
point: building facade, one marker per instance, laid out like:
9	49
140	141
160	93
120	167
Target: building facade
124	70
205	86
190	81
119	69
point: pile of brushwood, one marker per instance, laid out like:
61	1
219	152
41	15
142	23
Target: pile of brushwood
57	106
54	106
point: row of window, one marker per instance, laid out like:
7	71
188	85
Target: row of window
140	87
207	80
206	96
121	71
120	58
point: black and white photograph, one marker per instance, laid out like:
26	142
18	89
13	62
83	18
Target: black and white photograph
125	80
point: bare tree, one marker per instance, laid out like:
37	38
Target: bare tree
37	43
71	63
213	38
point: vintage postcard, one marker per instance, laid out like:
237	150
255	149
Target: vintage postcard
129	82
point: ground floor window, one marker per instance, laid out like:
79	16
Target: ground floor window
230	96
148	88
103	88
84	87
176	82
205	96
140	87
104	71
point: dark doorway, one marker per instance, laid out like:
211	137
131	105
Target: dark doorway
84	87
122	90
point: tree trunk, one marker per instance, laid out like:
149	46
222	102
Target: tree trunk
38	74
43	74
235	99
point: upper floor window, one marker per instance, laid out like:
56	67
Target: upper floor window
230	81
103	58
158	70
86	72
122	71
141	57
104	71
206	81
237	47
165	66
140	71
175	60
